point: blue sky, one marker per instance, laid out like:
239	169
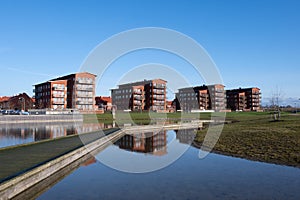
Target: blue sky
253	43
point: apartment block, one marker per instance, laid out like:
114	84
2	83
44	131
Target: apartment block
205	97
76	91
142	95
243	99
51	94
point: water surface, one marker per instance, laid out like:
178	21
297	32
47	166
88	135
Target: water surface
214	177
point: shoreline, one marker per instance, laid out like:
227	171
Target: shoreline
276	162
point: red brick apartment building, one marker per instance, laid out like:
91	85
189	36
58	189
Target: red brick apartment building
142	95
206	97
75	91
243	99
18	102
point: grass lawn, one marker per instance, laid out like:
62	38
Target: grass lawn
19	159
143	117
256	136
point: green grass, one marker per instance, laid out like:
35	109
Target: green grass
256	136
143	117
19	159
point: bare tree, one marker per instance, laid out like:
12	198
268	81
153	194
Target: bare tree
276	98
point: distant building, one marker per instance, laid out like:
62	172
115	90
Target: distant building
210	97
18	102
103	102
142	95
171	106
243	99
75	91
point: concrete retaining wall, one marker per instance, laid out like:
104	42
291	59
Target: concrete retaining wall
23	182
10	119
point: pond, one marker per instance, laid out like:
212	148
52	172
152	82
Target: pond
164	166
15	134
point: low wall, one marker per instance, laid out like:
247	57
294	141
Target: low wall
10	119
17	185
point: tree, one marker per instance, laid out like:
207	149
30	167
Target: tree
276	98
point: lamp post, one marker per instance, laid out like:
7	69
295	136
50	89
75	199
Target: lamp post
23	100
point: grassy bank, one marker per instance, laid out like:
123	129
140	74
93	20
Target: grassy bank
143	117
256	136
19	159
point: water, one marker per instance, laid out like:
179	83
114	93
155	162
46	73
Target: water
214	177
15	134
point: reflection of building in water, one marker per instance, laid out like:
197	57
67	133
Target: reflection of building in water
149	142
53	131
13	134
21	133
61	130
186	136
90	161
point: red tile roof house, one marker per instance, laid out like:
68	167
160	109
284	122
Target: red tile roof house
18	102
103	102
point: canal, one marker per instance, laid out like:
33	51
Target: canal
16	134
172	171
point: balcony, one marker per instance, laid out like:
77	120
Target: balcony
159	97
138	97
58	95
220	91
58	88
85	88
155	91
84	95
82	81
137	103
59	102
137	91
161	86
84	103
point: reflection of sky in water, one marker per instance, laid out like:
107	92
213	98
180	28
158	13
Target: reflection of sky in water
214	177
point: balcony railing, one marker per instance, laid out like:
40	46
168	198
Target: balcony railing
58	88
59	102
58	95
161	97
155	91
85	88
81	81
84	103
137	97
138	103
158	85
137	91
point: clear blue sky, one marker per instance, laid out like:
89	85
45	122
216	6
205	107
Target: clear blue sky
253	43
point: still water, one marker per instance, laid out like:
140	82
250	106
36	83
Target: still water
15	134
188	177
